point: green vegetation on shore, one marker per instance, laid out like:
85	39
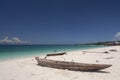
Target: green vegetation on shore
106	43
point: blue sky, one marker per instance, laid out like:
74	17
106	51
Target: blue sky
59	21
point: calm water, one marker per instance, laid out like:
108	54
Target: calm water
18	51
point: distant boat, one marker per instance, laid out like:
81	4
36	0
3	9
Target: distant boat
56	54
70	65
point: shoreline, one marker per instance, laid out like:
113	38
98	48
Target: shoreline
27	68
43	54
13	52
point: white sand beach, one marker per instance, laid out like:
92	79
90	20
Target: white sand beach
27	69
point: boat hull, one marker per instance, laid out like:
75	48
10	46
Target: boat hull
71	65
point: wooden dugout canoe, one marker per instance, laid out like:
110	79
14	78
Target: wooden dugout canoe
56	54
70	65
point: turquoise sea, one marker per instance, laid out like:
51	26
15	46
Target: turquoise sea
19	51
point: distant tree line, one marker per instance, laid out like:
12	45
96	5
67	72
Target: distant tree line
107	43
